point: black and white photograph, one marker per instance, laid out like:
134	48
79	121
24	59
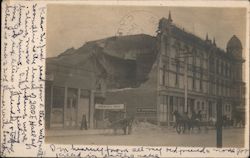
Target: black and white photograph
145	75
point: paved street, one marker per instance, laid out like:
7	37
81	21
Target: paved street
156	137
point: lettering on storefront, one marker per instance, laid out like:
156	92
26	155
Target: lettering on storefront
146	110
109	107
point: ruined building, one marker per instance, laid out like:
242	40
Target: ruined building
147	76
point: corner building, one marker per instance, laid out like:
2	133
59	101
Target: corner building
211	74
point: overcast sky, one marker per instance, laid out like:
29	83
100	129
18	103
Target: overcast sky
73	25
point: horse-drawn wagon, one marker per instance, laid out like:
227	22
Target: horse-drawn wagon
124	124
183	122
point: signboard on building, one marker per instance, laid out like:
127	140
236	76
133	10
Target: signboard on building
146	110
110	106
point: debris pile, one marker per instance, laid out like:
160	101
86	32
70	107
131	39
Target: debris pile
147	127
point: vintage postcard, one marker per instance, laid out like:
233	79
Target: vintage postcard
125	79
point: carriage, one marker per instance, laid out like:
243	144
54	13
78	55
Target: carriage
183	122
124	124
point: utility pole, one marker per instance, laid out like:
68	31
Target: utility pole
186	83
185	55
219	124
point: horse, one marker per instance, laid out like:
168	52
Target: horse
195	121
183	122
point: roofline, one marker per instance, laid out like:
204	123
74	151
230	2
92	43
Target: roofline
218	49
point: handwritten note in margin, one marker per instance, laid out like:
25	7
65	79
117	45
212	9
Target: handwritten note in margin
22	80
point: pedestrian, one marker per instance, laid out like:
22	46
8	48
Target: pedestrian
199	116
84	124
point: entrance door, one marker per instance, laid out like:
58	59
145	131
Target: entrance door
190	106
57	107
71	109
83	110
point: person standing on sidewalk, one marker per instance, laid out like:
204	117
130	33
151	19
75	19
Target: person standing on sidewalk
84	124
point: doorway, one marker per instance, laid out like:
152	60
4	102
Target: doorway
71	108
57	105
83	110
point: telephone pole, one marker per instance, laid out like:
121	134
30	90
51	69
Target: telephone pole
185	55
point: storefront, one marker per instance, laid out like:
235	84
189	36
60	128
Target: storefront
67	106
206	106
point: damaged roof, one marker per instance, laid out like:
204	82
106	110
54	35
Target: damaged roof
126	60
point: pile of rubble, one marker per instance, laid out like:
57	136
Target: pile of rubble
147	127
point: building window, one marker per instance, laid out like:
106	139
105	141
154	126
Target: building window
210	87
217	87
211	64
201	60
194	58
201	79
222	68
163	108
177	72
176	79
171	108
229	71
202	106
229	108
162	76
190	61
198	105
193	83
58	97
225	88
217	67
72	98
226	70
193	78
198	63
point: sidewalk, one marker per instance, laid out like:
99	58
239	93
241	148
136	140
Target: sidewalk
76	132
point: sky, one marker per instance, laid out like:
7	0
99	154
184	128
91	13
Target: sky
73	25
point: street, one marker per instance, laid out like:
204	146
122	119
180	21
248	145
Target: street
232	137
